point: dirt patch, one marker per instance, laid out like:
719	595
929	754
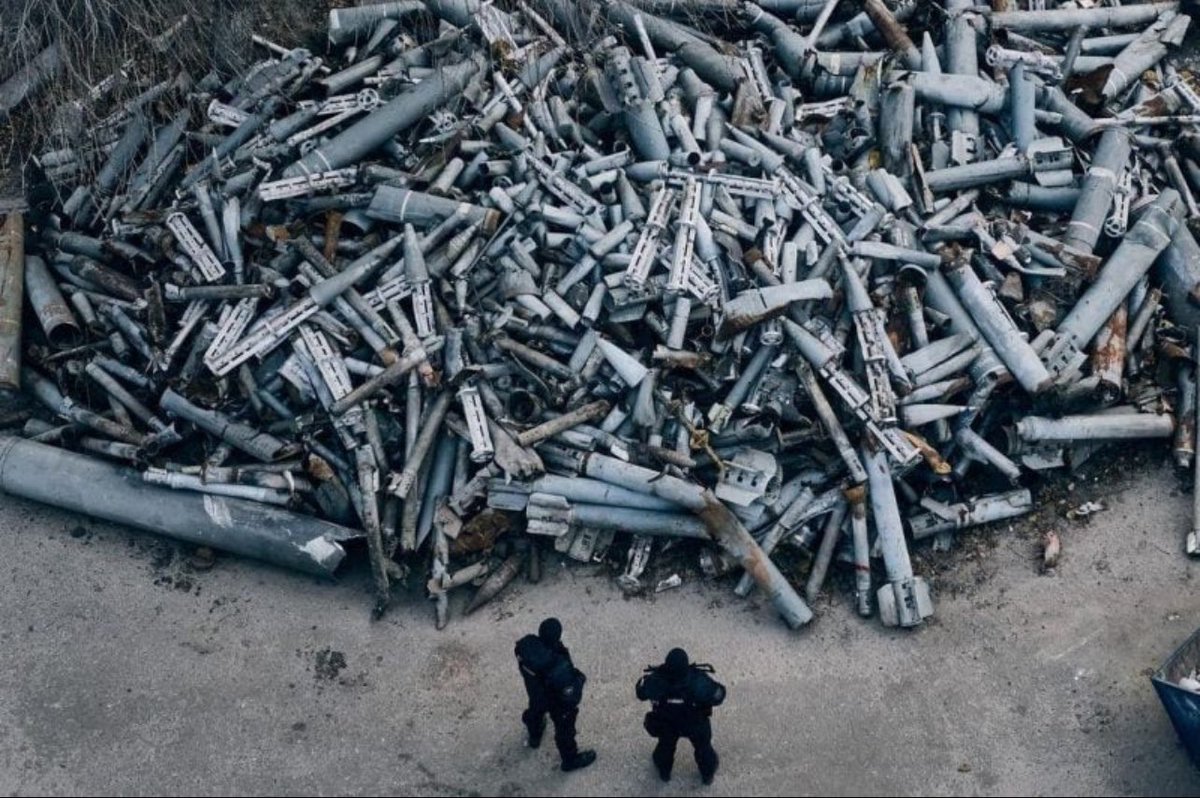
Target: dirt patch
328	663
178	582
452	665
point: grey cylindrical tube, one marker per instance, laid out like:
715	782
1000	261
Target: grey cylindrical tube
1066	19
1070	61
1138	251
12	299
466	13
343	79
829	419
1075	123
904	600
48	305
431	424
790	46
897	106
719	70
857	499
403	205
29	78
389	376
1022	98
1122	426
77	244
1042	198
962	58
973	512
976	447
823	17
959	91
1107	45
1143	53
639	522
119	160
532	72
257	444
85	485
1178	269
833	531
241	134
126	399
331	288
998	328
880	250
1112	153
401	113
646	133
192	293
48	394
346	24
1192	541
886	513
591	491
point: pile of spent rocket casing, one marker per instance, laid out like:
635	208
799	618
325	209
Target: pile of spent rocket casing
485	280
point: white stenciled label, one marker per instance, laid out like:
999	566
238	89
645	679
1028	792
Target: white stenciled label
197	249
225	115
330	365
218	511
322	550
307	184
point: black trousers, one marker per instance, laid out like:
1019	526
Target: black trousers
700	736
563	719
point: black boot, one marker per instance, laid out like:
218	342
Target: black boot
709	771
708	762
664	757
535	726
579	761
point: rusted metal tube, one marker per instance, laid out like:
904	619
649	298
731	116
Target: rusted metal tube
893	33
12	299
48	305
723	527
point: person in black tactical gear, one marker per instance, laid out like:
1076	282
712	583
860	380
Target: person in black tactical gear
681	697
555	686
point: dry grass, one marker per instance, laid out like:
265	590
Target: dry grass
100	37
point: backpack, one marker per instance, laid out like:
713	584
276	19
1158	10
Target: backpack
566	683
697	689
562	680
534	657
703	690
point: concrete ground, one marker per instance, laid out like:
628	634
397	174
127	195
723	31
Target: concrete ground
124	671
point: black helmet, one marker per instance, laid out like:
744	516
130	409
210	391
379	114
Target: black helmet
550	631
677	663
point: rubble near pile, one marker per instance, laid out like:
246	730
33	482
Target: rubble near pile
486	279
